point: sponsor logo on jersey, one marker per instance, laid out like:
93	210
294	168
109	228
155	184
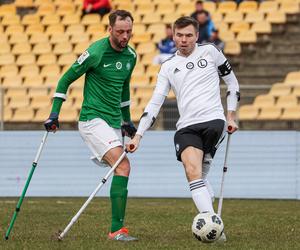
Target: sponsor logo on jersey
118	65
202	63
128	66
106	65
113	141
83	57
190	65
177	147
176	70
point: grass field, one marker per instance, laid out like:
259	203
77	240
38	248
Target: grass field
158	223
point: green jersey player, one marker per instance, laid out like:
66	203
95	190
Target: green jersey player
107	65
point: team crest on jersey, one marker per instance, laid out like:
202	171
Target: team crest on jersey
202	63
83	57
118	65
128	66
190	65
177	147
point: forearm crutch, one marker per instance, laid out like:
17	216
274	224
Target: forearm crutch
223	176
75	218
18	207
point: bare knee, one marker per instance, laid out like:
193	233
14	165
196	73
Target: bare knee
124	168
193	171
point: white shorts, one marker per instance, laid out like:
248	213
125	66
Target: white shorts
99	137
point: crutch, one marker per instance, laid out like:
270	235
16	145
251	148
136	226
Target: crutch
75	218
34	164
224	172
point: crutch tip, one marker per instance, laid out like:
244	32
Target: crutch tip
6	237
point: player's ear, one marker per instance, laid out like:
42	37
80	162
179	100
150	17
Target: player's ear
197	36
109	29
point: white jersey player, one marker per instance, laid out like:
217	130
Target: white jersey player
193	74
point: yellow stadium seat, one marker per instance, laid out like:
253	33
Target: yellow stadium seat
50	70
233	17
41	2
94	29
10	20
139	80
14	29
248	6
268	6
145	48
291	113
270	113
126	6
139	70
239	26
42	48
46	59
279	89
68	115
227	7
90	19
40	91
65	9
79	38
277	17
46	9
38	38
29	70
226	35
217	17
76	92
144	91
136	113
16	91
59	2
4	48
19	101
156	28
55	29
263	27
254	17
221	26
51	81
291	7
8	70
139	28
21	48
264	101
40	101
67	59
24	3
296	91
81	47
165	8
248	112
42	114
8	10
168	19
18	38
23	114
6	59
232	48
51	19
211	7
157	37
62	48
3	37
34	29
12	81
75	29
185	8
59	38
152	70
145	7
71	19
30	19
179	1
141	38
33	81
247	37
286	101
150	18
7	114
147	59
25	59
293	78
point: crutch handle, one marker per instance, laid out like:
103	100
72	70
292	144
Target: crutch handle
131	146
229	129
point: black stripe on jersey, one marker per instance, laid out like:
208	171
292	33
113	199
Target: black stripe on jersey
168	59
203	44
224	69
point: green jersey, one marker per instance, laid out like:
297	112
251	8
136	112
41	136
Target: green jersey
106	89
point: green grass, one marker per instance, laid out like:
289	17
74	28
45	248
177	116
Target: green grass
158	223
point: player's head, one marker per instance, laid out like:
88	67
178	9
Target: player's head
120	28
199	5
185	34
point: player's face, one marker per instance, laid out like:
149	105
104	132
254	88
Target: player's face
185	39
121	33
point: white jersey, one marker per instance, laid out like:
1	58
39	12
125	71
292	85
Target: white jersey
195	82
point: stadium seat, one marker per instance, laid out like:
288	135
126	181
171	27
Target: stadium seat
21	48
24	3
70	19
168	19
291	7
263	27
51	19
248	6
75	29
217	17
151	18
51	81
68	115
264	101
145	48
269	113
254	17
50	70
42	114
248	36
227	7
7	114
35	29
18	101
55	29
29	70
156	28
90	19
226	35
81	47
65	9
12	81
10	20
293	78
23	114
136	113
233	17
3	37
94	29
42	48
141	38
14	29
277	17
211	7
6	59
145	7
59	38
238	27
4	48
25	59
18	38
8	70
30	19
279	89
139	80
286	101
33	81
139	70
291	113
268	6
7	10
139	28
67	59
232	48
296	91
222	26
248	112
40	91
165	8
126	6
152	70
147	59
40	101
185	8
46	9
79	38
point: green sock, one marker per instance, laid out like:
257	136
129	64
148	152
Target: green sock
118	197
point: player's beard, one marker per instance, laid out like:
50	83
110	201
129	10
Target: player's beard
119	44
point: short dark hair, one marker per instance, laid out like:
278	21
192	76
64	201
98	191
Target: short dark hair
199	2
123	14
185	21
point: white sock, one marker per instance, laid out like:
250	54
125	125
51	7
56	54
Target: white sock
201	196
210	189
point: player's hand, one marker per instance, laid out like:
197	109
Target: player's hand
128	129
231	126
89	8
52	124
133	144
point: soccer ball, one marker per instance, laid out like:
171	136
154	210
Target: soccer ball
207	227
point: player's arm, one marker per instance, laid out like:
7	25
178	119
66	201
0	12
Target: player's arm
233	93
152	109
85	62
